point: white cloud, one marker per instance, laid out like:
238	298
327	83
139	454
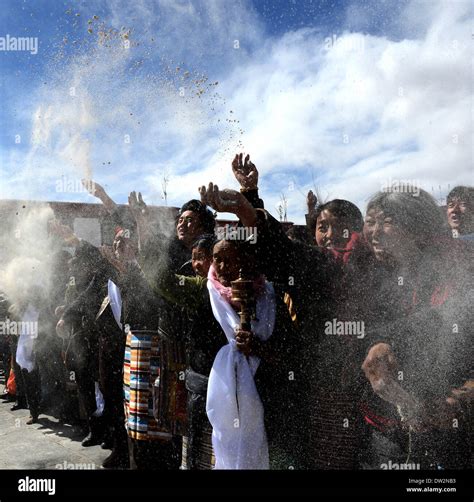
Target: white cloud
398	109
352	110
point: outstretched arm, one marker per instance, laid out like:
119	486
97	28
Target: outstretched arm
311	203
229	201
63	231
98	191
140	212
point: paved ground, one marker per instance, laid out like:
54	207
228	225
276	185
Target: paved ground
43	445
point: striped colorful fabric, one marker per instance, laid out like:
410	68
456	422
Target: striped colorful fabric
142	365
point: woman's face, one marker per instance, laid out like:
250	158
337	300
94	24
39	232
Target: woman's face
227	262
331	232
388	241
201	261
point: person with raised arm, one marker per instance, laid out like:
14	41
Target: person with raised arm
124	303
138	310
193	221
251	410
85	344
119	215
310	277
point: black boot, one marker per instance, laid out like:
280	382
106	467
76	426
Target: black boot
96	433
108	440
19	405
91	440
32	420
118	459
107	444
8	398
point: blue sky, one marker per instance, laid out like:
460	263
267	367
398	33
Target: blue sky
334	95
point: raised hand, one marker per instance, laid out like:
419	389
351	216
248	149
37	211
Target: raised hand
98	191
223	201
245	172
229	201
140	212
93	188
311	201
64	232
137	205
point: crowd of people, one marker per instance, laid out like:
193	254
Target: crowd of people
344	346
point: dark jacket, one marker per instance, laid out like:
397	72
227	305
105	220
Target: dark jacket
87	287
277	378
426	317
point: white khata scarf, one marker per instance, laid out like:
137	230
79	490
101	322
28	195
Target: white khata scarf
28	333
115	298
233	405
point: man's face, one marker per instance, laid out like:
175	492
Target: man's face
189	228
460	215
201	261
331	232
387	240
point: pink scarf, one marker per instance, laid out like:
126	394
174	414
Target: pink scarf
226	291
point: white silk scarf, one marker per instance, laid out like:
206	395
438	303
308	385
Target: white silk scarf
233	405
28	333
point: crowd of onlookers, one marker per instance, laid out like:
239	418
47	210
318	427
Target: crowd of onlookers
344	345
